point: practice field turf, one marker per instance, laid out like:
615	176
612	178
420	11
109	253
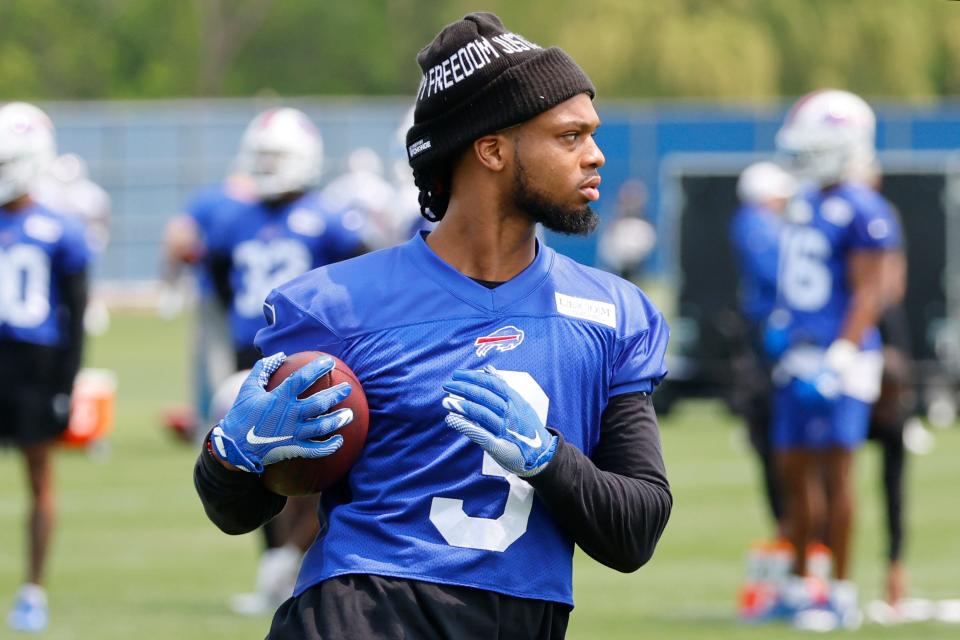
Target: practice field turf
135	557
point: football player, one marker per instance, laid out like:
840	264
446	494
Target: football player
43	291
764	189
831	290
286	230
509	387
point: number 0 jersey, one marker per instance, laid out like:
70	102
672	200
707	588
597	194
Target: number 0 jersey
826	226
423	502
268	246
37	248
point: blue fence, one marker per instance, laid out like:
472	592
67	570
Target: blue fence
151	155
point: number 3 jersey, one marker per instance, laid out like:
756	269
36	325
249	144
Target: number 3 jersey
37	249
423	502
266	246
826	227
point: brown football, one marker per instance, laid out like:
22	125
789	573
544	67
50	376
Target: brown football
303	476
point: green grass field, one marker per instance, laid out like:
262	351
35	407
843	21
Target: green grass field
135	557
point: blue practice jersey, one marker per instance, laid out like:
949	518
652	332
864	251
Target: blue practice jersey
268	246
424	502
755	235
826	227
37	248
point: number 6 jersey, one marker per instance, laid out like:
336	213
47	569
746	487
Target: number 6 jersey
424	502
37	248
812	284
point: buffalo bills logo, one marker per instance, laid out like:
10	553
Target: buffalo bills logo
503	339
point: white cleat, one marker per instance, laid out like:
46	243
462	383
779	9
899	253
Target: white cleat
29	614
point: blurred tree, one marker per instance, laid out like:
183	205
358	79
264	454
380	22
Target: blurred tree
226	30
753	49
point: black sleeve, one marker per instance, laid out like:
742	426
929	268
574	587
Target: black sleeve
235	501
616	503
73	303
219	265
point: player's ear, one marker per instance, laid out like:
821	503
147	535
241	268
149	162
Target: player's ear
492	150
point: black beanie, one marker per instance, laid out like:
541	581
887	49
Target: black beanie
479	78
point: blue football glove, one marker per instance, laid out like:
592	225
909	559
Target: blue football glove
820	390
264	427
487	410
825	385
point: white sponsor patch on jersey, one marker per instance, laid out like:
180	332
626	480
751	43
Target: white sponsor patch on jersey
42	228
602	312
878	229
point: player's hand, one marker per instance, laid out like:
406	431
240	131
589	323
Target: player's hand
826	384
487	410
821	389
264	427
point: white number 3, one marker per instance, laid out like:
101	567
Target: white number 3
494	534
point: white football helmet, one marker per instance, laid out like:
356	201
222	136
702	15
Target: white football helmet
282	152
827	136
27	147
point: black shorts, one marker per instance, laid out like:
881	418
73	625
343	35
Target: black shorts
367	607
29	410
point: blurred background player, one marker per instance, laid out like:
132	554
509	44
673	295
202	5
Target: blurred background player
185	247
764	189
43	290
831	292
364	188
628	239
287	230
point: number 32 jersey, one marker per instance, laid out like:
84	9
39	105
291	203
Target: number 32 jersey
826	226
423	502
268	246
37	248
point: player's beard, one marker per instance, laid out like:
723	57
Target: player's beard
542	208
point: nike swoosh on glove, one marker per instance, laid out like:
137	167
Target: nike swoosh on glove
264	427
484	408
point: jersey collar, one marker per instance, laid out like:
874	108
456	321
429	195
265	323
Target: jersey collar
473	293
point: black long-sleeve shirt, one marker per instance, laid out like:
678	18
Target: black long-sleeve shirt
614	504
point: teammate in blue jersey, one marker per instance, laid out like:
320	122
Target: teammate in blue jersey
287	231
764	189
264	244
43	290
835	257
510	416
